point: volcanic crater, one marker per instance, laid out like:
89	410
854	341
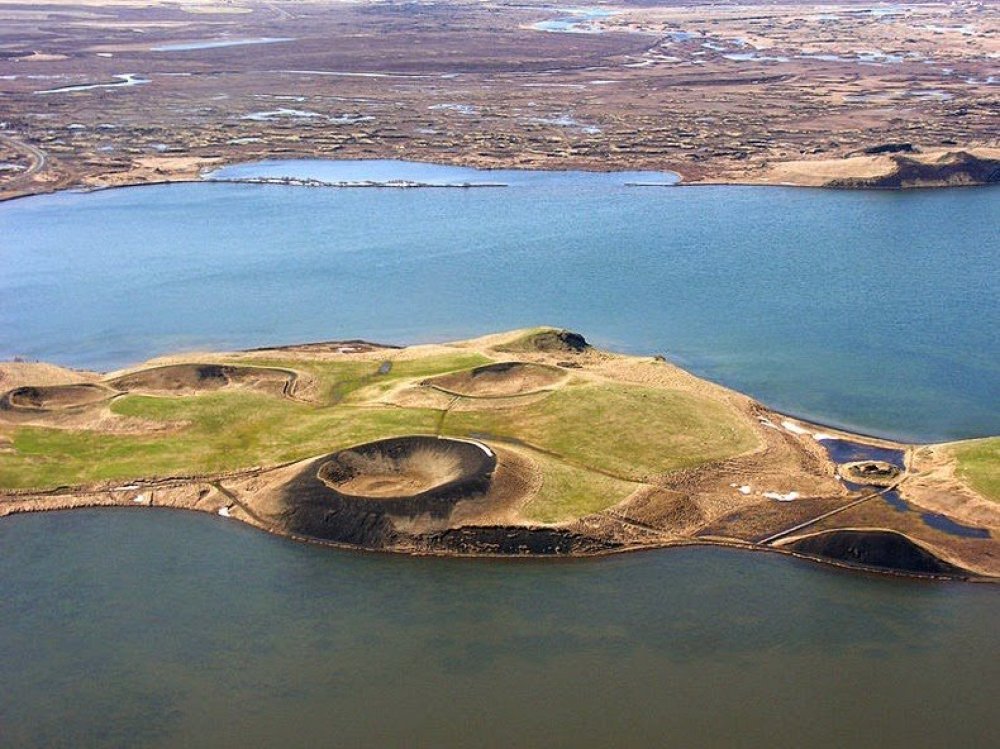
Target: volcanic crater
500	380
194	378
54	397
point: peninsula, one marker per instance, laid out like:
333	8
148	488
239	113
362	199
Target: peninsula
530	442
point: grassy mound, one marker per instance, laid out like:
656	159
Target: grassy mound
626	431
500	380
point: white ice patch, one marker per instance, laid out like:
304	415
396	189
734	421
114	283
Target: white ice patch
280	112
224	512
794	428
142	499
782	497
820	436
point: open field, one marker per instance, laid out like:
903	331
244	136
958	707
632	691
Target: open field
631	433
518	443
105	93
979	465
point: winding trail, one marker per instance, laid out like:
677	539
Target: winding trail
39	159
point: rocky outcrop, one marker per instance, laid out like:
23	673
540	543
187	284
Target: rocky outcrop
950	169
882	549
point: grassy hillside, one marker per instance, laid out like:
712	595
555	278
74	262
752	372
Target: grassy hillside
979	465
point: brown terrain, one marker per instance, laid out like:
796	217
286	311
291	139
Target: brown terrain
849	93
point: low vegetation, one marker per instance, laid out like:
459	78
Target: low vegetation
628	432
590	441
567	492
979	465
225	430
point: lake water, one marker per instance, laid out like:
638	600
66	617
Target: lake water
873	311
574	21
148	628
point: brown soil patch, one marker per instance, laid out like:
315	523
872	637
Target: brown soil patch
15	374
196	378
378	474
53	397
932	483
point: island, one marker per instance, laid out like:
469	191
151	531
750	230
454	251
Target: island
525	443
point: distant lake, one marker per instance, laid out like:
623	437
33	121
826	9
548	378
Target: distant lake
876	311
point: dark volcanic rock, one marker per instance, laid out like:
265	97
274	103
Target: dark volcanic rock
953	168
891	148
353	495
875	548
514	541
559	340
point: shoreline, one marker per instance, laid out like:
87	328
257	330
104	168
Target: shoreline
185	176
568	558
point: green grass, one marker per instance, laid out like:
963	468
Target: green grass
228	430
347	381
628	431
617	433
979	465
218	432
568	492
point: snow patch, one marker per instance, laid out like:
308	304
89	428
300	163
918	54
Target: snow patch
782	497
794	428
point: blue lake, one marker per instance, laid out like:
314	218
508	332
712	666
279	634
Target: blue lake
876	311
149	628
146	628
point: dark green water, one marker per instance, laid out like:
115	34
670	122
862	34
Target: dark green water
169	629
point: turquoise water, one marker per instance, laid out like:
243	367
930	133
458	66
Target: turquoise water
147	628
874	311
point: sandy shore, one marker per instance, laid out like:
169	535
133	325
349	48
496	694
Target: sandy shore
862	172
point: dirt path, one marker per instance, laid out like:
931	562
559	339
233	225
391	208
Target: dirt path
39	159
812	521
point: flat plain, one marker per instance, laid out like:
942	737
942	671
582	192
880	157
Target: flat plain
786	92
